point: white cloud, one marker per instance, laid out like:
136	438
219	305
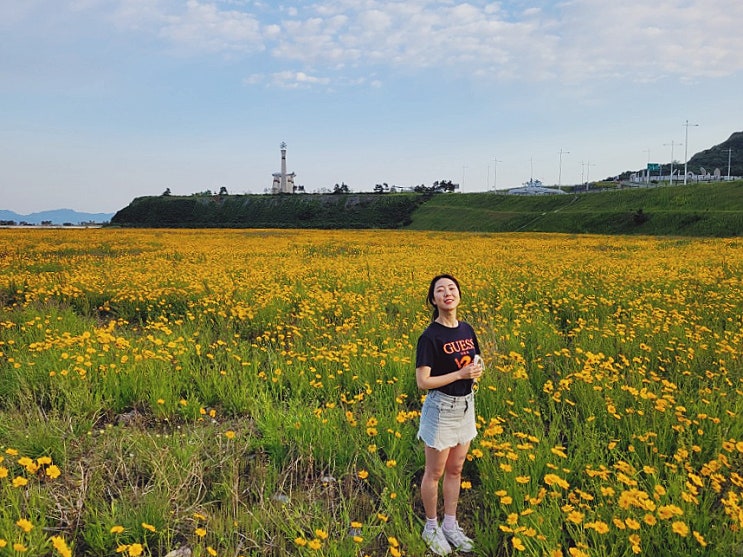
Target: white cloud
204	27
572	41
577	41
296	80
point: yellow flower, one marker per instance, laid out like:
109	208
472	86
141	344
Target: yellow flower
393	541
700	538
136	549
24	525
201	532
229	434
149	527
321	534
210	550
116	529
391	463
61	546
3	543
466	485
680	528
632	524
554	479
358	539
314	544
53	472
301	542
43	460
599	526
575	517
19	481
363	474
19	548
669	511
518	545
634	541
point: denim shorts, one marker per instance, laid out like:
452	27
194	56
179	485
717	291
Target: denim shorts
447	420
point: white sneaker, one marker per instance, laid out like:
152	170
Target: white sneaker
457	538
436	541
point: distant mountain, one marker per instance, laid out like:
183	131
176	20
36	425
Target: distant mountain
718	157
706	161
57	216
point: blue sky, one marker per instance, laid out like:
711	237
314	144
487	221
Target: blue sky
102	101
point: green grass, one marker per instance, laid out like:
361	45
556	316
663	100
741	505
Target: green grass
691	210
265	401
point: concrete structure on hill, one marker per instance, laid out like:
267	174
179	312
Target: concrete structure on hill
283	182
534	187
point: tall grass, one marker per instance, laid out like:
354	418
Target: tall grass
253	393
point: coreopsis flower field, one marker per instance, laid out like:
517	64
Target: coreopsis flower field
253	392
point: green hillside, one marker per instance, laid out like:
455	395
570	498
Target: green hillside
710	209
270	211
695	210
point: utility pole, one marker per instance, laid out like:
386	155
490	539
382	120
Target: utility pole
559	170
588	171
686	147
672	143
495	173
730	152
582	171
647	170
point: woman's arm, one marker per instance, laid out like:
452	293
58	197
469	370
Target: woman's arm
425	380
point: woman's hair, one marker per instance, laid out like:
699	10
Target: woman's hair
431	288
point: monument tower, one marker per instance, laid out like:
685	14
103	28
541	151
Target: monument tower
283	182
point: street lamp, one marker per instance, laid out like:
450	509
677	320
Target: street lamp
672	143
559	170
686	147
647	170
495	173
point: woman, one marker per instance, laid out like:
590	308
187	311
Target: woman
447	364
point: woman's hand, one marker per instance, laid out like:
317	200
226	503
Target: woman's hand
471	371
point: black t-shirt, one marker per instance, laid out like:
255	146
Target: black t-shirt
446	349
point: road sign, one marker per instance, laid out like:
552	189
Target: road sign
653	167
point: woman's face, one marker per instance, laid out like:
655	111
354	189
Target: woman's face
445	294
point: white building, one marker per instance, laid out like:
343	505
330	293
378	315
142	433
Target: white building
283	182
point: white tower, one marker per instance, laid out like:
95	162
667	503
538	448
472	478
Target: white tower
283	182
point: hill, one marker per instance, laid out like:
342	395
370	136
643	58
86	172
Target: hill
57	216
271	211
719	156
705	209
